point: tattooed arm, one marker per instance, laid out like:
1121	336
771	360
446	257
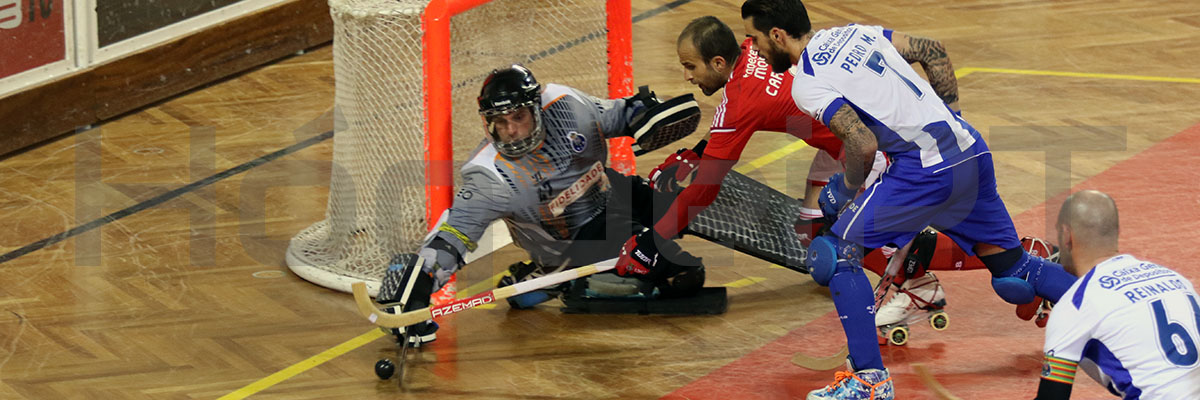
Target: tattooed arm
860	144
932	56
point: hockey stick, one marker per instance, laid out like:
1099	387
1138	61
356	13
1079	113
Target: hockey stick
821	364
932	383
371	310
406	337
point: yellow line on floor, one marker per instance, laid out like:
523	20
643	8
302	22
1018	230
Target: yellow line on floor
744	282
344	348
771	157
305	365
969	70
479	287
20	300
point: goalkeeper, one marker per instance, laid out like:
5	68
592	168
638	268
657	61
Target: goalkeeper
541	168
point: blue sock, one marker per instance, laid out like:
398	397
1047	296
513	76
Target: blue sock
853	297
1049	280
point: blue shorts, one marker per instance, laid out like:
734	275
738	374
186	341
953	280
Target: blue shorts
959	200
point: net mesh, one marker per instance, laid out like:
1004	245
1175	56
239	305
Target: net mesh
755	219
377	196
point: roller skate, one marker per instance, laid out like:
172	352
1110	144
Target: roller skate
915	300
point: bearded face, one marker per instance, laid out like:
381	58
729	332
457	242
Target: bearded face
779	60
776	56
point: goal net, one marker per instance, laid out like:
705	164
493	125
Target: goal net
407	76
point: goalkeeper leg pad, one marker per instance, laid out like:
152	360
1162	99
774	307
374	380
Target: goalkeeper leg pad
579	300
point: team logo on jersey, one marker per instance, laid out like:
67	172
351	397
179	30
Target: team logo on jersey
1108	282
578	141
822	58
837	38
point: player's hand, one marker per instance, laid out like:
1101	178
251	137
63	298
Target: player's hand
834	196
676	168
639	256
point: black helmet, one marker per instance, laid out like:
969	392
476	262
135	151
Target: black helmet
509	90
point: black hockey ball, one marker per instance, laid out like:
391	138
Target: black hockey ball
384	368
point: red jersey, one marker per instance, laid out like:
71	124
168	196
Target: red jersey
756	99
762	101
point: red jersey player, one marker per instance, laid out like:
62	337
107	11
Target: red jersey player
712	59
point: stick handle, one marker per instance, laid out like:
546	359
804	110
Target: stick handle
369	309
930	382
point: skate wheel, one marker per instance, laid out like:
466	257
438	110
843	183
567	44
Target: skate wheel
939	321
898	336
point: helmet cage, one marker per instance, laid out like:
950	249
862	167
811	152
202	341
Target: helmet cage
519	147
507	90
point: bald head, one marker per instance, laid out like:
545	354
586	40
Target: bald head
1091	217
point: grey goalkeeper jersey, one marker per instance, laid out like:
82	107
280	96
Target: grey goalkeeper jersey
546	196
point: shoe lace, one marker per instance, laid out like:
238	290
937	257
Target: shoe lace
838	378
929	284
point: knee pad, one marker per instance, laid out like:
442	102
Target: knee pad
1014	273
822	259
1014	290
683	284
920	255
529	300
826	253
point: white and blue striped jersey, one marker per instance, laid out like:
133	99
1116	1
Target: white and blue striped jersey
857	65
1133	326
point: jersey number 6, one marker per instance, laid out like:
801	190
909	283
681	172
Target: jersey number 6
1169	330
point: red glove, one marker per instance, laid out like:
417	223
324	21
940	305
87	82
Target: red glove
676	168
639	255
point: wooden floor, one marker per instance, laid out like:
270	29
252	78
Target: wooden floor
187	296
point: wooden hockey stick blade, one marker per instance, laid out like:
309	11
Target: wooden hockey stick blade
932	383
372	311
822	364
